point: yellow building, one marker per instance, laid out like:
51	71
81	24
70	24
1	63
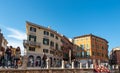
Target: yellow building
43	40
92	49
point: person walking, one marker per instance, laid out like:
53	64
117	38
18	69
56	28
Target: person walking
44	60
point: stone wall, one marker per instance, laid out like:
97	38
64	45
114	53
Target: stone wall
46	71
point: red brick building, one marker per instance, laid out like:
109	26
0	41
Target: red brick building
115	56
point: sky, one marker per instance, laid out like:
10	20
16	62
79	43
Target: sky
69	17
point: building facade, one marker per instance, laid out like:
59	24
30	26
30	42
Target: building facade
1	35
91	49
115	57
44	42
3	44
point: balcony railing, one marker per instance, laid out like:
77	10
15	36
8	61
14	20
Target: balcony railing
32	43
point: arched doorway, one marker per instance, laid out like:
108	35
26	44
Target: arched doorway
31	61
38	61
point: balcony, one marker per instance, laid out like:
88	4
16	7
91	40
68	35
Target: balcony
32	33
31	43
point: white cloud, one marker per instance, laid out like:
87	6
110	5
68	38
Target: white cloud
16	34
15	38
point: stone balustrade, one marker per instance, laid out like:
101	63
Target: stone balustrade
46	71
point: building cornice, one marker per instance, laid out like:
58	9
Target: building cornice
46	28
91	36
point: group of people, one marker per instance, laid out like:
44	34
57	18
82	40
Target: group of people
10	57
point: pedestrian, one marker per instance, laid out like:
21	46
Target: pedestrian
8	54
44	60
17	56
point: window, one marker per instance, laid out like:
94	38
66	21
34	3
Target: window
102	48
93	53
31	49
56	46
106	56
57	37
62	41
32	29
32	38
52	43
88	53
78	48
46	33
45	50
52	35
102	55
87	46
51	52
45	41
97	46
86	38
92	45
82	46
82	53
98	54
78	54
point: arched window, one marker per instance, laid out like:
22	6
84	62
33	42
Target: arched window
38	61
30	61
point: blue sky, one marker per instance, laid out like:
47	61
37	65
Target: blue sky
69	17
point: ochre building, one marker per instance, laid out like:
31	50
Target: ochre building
91	49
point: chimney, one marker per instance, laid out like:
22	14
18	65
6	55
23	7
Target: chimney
49	27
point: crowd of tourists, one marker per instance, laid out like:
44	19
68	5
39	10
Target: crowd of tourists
10	57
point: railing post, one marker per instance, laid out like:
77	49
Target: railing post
116	67
73	65
47	61
112	66
80	65
92	66
86	65
62	64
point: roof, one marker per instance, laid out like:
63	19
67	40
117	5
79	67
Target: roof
39	26
90	35
117	48
114	49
